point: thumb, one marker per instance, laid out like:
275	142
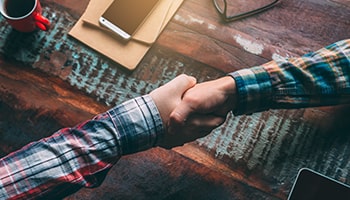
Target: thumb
179	115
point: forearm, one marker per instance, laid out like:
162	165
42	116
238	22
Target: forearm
316	79
80	157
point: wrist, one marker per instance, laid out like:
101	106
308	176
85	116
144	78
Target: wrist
228	87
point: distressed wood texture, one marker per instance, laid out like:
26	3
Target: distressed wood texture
48	80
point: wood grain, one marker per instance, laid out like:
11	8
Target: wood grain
49	80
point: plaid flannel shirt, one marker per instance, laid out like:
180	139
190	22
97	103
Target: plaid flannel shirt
81	156
77	157
315	79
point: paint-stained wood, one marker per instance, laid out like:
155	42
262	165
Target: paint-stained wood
48	80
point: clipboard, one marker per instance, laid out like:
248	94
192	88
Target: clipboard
126	53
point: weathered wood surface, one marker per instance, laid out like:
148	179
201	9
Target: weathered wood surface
49	80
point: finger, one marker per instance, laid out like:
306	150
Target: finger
201	126
180	84
205	122
197	125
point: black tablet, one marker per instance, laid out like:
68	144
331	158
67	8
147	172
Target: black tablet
311	185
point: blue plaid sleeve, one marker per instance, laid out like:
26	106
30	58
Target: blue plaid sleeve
320	78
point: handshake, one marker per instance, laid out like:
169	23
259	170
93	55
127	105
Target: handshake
190	110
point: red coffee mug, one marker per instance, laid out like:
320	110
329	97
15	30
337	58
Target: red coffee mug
24	15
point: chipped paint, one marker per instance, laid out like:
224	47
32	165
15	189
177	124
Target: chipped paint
211	27
275	143
278	57
89	72
248	45
192	20
195	20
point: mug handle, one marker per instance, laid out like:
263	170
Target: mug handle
41	22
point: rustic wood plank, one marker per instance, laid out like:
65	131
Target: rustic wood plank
279	32
34	106
256	155
285	24
266	150
161	174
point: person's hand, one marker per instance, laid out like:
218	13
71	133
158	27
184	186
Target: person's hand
168	96
202	109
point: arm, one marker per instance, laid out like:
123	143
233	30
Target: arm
321	78
81	156
316	79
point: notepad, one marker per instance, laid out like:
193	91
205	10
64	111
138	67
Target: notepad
126	53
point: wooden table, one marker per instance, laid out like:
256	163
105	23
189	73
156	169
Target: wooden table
50	80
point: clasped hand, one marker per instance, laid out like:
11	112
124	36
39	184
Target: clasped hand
189	110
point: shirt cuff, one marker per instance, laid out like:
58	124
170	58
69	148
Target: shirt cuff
253	90
138	123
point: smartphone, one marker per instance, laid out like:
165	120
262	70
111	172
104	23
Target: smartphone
311	185
124	17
